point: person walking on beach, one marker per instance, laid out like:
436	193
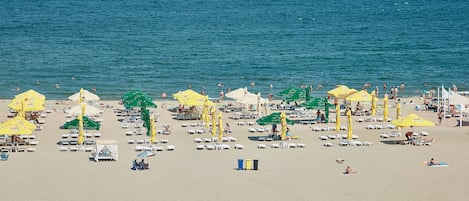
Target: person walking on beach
440	117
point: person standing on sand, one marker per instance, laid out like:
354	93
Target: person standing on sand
440	117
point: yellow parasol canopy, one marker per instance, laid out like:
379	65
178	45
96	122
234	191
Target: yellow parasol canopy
361	96
412	120
28	101
191	98
341	91
17	126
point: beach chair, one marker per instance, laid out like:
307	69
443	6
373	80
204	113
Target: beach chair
200	147
238	146
261	146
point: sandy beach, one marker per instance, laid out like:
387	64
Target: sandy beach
385	171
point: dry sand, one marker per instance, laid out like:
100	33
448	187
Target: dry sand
385	172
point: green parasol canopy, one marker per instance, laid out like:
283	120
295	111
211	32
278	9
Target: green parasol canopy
137	98
88	124
273	118
317	103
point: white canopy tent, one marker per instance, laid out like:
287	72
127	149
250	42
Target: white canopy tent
105	150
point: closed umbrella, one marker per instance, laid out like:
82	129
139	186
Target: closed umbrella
81	132
398	110
220	127
152	130
214	123
349	124
283	118
386	109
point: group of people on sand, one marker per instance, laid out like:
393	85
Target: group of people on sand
139	165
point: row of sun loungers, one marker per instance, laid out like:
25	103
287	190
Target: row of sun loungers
281	145
86	135
378	126
146	141
75	149
348	143
217	146
17	149
214	139
155	148
336	136
327	128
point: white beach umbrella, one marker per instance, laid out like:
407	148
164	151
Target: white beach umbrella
89	110
86	95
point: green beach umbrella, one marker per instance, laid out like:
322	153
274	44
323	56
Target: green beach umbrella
273	118
317	103
290	90
88	124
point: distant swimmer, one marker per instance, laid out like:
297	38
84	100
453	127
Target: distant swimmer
57	86
73	78
93	89
253	84
38	82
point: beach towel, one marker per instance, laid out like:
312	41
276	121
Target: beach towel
440	164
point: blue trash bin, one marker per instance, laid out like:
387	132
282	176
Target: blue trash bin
240	164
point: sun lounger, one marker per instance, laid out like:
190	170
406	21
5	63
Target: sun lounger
323	137
210	147
191	131
170	148
232	139
292	145
275	146
200	147
327	144
198	140
366	143
238	146
332	137
343	143
301	145
261	146
424	133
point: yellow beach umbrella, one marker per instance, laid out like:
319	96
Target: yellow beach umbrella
412	120
17	126
153	129
341	91
214	122
398	110
386	109
373	103
349	124
283	118
220	127
337	117
361	96
28	101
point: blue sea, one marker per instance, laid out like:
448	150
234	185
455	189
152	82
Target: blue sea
170	45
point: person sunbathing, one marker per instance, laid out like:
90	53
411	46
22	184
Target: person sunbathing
349	170
432	162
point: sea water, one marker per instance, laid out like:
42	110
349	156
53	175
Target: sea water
58	47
